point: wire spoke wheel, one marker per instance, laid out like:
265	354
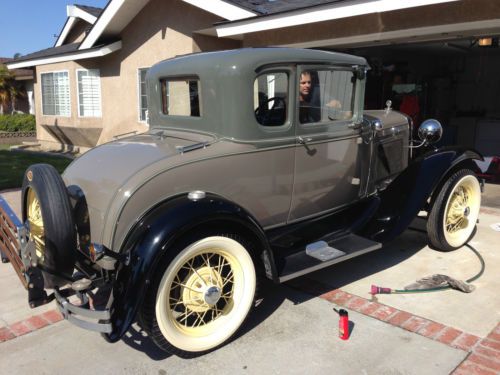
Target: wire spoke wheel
35	221
46	211
202	291
453	217
205	294
462	210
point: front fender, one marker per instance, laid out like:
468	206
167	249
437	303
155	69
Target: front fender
152	237
407	194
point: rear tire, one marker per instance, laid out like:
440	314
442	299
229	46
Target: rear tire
47	212
453	216
202	293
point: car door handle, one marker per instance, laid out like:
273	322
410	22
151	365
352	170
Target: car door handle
304	140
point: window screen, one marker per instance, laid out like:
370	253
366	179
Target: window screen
89	93
55	94
143	98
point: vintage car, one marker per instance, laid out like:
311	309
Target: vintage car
259	163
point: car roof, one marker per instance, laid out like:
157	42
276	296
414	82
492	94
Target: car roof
252	58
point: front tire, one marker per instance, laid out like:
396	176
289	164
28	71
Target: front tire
201	296
453	216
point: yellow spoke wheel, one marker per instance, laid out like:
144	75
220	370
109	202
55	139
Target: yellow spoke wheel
205	294
35	222
49	218
453	217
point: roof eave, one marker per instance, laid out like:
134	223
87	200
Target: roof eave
73	13
314	14
72	56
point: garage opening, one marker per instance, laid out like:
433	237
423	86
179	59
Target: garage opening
456	82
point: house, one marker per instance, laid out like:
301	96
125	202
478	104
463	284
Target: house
25	80
90	85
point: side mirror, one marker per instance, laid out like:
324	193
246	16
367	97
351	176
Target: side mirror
430	131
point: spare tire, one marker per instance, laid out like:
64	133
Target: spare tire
47	212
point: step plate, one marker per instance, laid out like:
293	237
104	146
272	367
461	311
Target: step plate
344	248
322	251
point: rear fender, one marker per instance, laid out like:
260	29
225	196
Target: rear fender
154	234
408	193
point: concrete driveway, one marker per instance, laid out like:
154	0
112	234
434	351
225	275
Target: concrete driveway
294	329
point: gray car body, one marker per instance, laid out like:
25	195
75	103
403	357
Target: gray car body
265	170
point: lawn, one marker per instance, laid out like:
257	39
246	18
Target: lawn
14	164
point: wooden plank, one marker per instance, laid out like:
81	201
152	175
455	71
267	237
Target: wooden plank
9	245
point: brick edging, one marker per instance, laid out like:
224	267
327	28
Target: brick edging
490	211
484	353
31	324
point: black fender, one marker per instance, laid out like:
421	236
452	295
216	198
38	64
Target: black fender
154	234
402	200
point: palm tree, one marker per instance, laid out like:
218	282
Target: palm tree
10	90
15	92
5	78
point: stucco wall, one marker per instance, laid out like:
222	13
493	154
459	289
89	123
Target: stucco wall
59	123
423	16
161	30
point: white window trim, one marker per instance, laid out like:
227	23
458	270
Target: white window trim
138	77
69	88
78	93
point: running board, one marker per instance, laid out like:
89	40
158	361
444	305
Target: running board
322	254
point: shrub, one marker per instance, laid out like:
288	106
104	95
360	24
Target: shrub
18	122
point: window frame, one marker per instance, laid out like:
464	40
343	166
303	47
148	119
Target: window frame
139	96
290	72
78	93
162	81
69	91
355	111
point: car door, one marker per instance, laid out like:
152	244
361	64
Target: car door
332	154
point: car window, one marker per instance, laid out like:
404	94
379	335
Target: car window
270	98
326	95
181	97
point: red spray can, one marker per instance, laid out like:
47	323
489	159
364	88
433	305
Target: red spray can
343	324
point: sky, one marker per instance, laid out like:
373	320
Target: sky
28	26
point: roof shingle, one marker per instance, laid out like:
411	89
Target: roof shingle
264	7
96	12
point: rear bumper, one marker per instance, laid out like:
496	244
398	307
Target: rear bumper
81	316
16	248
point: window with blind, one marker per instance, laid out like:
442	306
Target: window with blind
89	93
143	99
55	94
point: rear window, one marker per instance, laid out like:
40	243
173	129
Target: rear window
181	96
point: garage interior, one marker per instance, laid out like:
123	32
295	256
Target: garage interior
456	82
